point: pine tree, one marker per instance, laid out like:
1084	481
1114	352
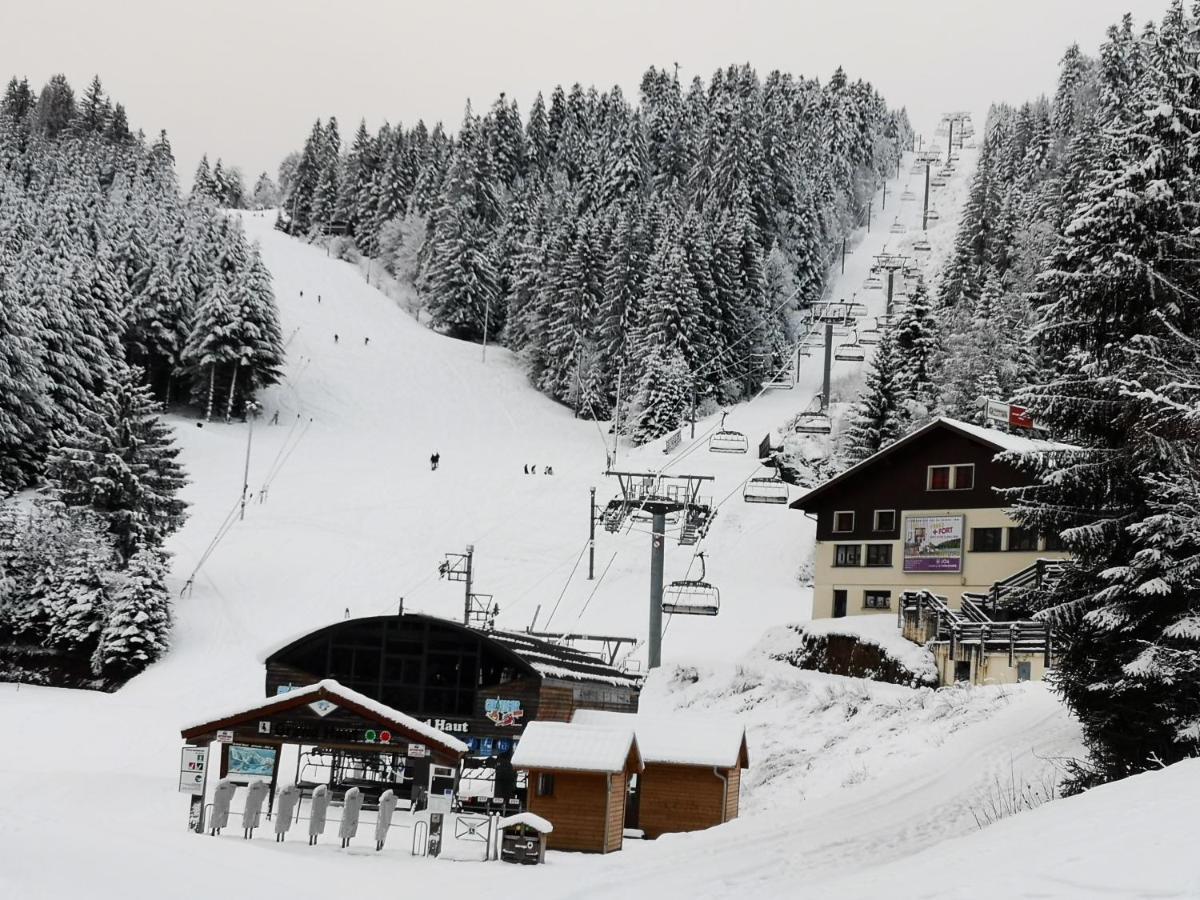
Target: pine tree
137	621
121	462
663	395
880	418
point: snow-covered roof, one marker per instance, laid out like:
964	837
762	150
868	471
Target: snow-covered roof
330	689
560	745
1002	441
676	740
534	821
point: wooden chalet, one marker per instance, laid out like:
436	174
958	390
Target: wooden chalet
692	769
578	779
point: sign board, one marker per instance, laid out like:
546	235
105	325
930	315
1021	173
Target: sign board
322	707
416	750
1019	417
933	543
251	762
996	411
673	440
192	765
505	713
225	737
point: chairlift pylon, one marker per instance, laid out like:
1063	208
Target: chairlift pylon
692	597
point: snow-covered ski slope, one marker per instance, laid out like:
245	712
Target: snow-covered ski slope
354	518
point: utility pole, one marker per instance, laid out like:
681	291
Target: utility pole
617	418
487	309
458	567
657	540
950	143
925	213
828	366
883	205
467	587
592	538
870	203
251	414
891	285
843	256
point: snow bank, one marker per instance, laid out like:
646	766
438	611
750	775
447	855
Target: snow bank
533	820
675	740
559	745
857	646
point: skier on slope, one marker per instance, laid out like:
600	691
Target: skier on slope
335	338
434	460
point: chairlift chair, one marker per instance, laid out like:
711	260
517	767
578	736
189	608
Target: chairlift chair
869	336
897	227
812	423
726	440
692	597
937	182
851	351
933	215
873	283
858	310
908	196
885	320
765	489
922	245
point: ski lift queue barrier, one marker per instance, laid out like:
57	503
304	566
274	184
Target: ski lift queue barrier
462	827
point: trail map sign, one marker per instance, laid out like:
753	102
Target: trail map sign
933	543
192	764
251	762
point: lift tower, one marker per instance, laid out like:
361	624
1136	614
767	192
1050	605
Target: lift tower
656	496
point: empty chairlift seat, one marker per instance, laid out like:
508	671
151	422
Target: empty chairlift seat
851	351
692	597
933	215
727	441
922	245
897	227
765	489
869	336
873	283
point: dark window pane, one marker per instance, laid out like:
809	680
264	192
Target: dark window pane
1022	539
964	477
877	599
879	554
885	520
846	554
939	478
843	521
985	540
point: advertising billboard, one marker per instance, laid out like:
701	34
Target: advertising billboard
933	543
249	762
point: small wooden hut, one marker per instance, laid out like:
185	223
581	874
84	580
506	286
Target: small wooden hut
692	769
577	780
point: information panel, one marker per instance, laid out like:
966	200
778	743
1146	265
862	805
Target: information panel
933	543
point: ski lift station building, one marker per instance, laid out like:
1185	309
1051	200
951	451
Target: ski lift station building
923	514
481	687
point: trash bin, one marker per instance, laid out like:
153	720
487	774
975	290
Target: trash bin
523	838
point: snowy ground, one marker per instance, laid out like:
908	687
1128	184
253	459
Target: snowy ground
847	778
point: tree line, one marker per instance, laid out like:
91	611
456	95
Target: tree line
640	258
117	295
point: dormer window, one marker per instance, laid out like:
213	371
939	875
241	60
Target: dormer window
951	478
843	522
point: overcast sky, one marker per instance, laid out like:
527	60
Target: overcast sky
243	79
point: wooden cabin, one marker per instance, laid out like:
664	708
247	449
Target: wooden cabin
578	778
691	778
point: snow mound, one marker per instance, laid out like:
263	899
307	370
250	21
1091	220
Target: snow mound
857	646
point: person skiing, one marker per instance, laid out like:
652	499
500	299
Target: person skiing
275	418
335	338
526	468
302	293
434	460
533	469
549	470
366	341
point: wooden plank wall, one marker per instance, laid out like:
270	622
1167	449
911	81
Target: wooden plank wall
733	794
577	810
616	812
681	798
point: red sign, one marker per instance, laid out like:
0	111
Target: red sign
1019	417
385	737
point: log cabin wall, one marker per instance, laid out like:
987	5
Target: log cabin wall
578	809
678	798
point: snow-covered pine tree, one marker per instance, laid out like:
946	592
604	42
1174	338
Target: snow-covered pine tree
137	618
880	417
1123	278
121	462
663	395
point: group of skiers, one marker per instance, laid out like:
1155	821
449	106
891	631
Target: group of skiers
532	470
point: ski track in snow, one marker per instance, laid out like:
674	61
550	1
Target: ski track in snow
844	778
